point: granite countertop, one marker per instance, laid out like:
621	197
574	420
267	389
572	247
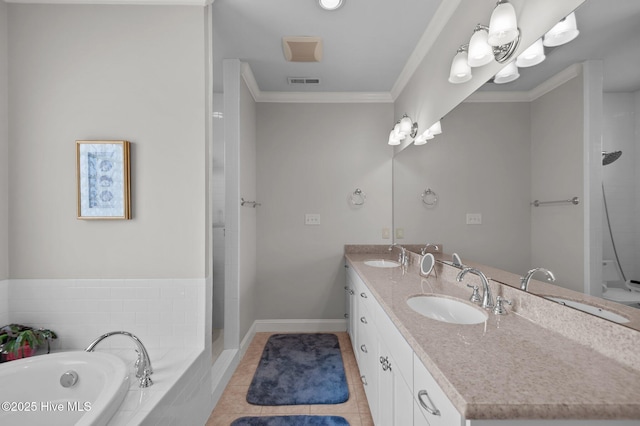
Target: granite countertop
508	367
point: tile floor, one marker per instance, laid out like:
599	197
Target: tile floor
233	403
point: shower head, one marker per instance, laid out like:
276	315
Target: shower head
610	157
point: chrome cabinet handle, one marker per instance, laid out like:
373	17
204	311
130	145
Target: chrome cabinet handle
363	320
363	348
363	379
434	411
386	365
363	295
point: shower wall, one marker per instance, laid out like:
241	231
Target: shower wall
620	133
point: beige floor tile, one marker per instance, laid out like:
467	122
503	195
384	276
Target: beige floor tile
234	400
283	410
233	403
222	419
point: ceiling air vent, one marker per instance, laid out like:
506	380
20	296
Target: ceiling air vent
302	49
303	80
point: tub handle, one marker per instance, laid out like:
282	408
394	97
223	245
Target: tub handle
68	379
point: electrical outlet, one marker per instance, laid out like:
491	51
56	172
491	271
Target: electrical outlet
474	219
399	233
312	219
386	233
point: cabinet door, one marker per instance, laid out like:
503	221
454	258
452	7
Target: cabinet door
431	400
394	397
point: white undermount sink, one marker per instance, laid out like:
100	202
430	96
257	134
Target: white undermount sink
447	310
593	310
381	263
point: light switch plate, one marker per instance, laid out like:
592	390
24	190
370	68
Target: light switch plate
474	218
312	219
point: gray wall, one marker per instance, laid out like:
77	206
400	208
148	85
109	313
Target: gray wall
479	164
4	144
107	72
311	157
557	147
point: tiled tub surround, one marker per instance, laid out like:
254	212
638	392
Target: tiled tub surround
512	367
166	314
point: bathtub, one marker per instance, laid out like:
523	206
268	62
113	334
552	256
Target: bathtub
31	392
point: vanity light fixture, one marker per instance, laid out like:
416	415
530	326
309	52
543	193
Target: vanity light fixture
533	55
430	133
460	69
563	32
403	128
330	4
423	138
507	74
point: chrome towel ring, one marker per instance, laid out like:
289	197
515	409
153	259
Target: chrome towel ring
429	197
358	197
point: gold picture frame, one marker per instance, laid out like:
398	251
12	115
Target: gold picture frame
103	172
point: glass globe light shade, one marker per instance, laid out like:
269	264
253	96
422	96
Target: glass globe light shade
503	26
507	74
406	125
423	138
562	32
533	55
392	139
460	69
480	52
436	128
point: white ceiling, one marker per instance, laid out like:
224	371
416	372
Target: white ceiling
368	42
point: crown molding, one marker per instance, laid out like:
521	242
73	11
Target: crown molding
543	88
310	97
440	19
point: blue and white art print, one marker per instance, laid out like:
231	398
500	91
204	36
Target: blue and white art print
103	179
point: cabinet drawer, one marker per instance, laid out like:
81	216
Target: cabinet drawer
431	400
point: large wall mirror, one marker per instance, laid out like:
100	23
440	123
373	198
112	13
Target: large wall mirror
541	137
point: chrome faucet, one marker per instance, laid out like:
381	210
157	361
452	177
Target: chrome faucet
487	298
143	363
436	248
402	258
524	281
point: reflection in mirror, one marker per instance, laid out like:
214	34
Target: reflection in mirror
534	139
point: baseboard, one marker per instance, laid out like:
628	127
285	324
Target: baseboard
300	326
221	372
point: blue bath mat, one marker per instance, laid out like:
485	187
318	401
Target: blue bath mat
291	421
299	369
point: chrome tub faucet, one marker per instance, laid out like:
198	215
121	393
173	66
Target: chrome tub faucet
143	364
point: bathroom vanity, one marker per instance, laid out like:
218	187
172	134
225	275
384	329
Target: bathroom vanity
421	371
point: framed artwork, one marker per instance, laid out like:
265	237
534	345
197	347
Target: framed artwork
103	175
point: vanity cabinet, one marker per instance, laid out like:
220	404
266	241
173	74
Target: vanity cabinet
385	359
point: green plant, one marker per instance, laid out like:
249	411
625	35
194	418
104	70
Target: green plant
15	338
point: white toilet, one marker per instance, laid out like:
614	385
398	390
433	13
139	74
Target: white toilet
628	296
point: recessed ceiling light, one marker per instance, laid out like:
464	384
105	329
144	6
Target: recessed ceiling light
330	4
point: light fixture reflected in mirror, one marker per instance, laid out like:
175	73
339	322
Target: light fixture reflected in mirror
436	128
460	69
423	138
507	74
533	55
563	32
